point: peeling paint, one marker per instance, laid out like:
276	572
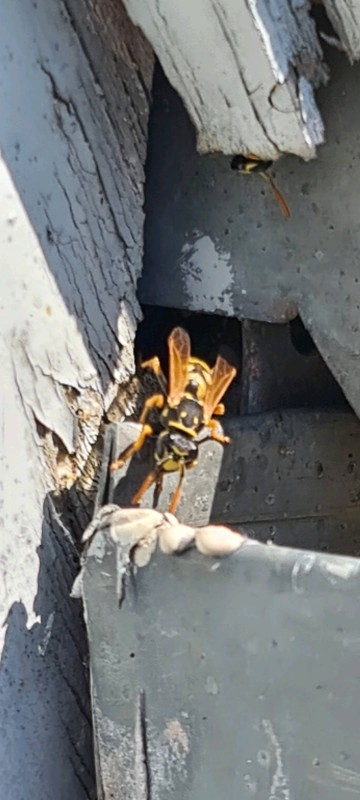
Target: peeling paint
42	647
64	271
208	273
336	777
279	789
135	762
302	567
341	568
175	734
211	685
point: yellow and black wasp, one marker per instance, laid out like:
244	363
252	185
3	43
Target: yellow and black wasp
249	164
188	403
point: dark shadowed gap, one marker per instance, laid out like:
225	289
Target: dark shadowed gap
290	372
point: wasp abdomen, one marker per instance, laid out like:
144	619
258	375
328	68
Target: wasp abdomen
174	447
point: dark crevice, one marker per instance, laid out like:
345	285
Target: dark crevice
290	372
301	338
324	27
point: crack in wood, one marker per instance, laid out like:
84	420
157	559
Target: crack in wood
141	767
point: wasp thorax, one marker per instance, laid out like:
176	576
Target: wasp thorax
187	416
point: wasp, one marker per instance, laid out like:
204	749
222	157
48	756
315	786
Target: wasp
247	164
188	402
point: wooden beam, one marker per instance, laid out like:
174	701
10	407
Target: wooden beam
73	144
246	72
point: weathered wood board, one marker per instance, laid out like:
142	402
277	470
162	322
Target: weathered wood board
71	225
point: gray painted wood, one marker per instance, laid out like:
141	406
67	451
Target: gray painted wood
71	196
235	677
245	71
204	669
289	476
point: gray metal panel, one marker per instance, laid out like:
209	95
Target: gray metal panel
216	241
235	678
291	476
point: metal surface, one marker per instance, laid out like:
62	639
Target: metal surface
216	241
293	477
234	678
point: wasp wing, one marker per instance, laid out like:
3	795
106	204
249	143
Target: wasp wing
221	376
252	157
179	353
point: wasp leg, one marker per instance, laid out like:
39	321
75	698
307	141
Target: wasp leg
156	401
154	364
279	197
215	434
151	478
133	448
158	488
176	496
219	410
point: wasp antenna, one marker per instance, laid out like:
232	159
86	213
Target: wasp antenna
279	197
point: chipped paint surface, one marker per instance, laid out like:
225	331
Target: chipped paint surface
340	568
279	789
334	776
302	567
168	757
215	720
177	737
67	323
211	685
132	760
209	272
